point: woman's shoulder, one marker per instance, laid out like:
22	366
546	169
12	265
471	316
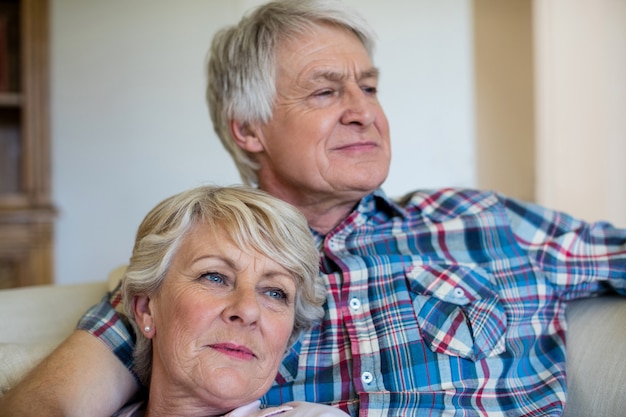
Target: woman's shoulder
305	409
291	409
137	409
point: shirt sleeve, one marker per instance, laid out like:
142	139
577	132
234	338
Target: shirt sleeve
107	322
585	258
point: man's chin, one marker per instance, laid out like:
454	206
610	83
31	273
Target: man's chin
365	181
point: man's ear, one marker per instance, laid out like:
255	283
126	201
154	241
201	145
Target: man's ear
142	308
246	136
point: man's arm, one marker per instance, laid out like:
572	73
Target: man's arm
82	377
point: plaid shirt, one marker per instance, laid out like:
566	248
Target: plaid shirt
449	303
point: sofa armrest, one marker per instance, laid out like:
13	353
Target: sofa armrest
596	357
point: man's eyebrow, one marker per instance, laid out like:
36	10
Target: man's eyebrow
340	76
370	73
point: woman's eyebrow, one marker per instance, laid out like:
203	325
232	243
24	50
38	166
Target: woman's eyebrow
215	258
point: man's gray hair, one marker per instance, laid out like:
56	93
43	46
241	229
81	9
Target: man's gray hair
242	68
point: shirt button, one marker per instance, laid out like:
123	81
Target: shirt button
367	377
355	304
458	292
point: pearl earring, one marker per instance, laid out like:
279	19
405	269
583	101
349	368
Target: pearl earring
146	329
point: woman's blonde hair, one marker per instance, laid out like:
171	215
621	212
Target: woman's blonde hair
252	219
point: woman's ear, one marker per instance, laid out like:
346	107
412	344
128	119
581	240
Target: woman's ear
246	136
142	308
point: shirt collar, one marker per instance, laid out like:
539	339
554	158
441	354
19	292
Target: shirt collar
375	204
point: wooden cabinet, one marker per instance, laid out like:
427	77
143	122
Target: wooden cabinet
26	210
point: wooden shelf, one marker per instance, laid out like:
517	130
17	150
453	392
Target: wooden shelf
10	100
26	210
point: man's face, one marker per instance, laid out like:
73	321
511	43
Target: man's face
328	137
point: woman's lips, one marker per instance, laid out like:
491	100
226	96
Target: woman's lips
234	351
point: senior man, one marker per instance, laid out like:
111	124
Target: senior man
448	302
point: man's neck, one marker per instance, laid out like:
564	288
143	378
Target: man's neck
323	212
325	219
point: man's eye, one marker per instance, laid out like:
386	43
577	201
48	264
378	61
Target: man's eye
370	90
214	277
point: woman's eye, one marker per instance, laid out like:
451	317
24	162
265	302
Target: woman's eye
324	93
214	277
277	294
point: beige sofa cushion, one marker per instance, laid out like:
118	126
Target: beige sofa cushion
35	320
16	359
596	358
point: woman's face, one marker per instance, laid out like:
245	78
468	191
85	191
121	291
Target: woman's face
221	321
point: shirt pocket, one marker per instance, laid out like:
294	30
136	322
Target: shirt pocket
458	310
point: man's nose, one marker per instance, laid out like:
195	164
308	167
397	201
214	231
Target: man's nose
359	107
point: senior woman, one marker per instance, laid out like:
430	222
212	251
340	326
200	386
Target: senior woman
220	283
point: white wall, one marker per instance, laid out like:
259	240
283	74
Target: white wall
581	107
130	127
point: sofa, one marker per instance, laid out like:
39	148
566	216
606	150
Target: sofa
34	320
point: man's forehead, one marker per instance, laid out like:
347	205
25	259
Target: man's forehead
324	53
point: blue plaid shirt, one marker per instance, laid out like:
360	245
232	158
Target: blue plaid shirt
451	302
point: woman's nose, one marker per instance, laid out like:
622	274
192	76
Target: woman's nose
242	307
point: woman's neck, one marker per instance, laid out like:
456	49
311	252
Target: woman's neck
167	401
